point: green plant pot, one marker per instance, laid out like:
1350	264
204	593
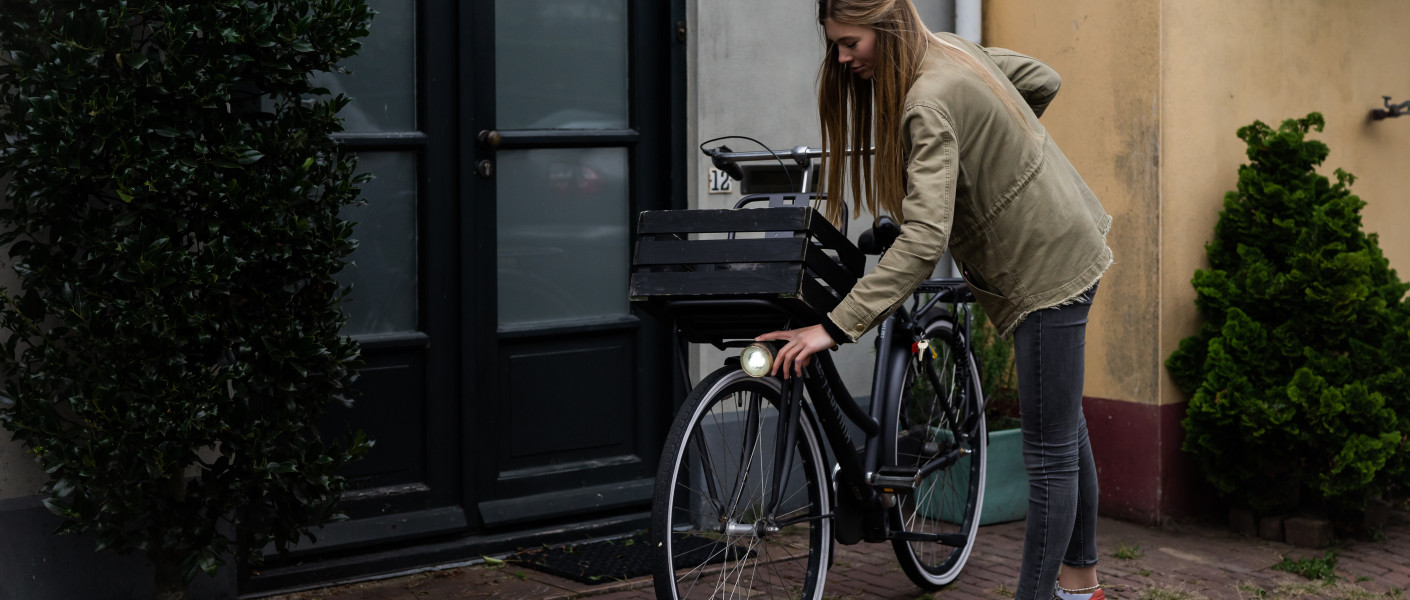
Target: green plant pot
1005	483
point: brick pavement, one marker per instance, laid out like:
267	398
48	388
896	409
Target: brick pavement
1182	561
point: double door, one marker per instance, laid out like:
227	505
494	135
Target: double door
508	382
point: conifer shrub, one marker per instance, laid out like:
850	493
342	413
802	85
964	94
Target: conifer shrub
1300	394
172	214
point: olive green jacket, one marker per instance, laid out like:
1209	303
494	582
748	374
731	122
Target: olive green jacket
1024	228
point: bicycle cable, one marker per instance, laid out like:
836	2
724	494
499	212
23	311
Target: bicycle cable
761	145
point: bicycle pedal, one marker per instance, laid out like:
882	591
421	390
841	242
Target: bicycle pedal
894	480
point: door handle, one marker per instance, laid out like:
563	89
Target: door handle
489	138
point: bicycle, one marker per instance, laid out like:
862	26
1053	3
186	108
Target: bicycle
747	502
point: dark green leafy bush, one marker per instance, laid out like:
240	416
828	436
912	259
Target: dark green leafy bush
1298	373
172	215
997	376
995	361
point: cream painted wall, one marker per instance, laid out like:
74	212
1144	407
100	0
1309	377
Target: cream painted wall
1106	119
20	475
1229	63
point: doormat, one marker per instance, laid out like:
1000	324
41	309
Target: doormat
607	561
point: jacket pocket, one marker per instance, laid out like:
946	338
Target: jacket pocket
978	284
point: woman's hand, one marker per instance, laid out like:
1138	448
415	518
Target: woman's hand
798	352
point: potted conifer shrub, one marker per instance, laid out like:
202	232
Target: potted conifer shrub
1005	477
1300	394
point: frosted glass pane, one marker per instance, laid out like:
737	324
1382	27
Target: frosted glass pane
383	79
383	275
563	244
561	64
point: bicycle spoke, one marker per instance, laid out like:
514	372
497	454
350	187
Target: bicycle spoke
724	490
937	416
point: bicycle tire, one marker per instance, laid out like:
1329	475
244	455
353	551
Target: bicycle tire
947	501
708	546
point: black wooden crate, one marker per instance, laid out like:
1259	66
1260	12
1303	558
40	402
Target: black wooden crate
715	289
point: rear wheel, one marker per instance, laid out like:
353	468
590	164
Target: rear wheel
939	411
715	528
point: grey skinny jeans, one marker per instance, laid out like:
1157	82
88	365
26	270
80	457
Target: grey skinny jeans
1062	478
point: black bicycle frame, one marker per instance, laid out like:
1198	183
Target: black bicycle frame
834	407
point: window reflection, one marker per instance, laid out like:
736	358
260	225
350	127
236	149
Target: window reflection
563	243
561	65
383	276
383	79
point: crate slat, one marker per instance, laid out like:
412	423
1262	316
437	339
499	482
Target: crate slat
781	281
781	218
828	269
667	252
831	238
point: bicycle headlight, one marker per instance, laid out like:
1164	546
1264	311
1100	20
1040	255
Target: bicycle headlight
757	360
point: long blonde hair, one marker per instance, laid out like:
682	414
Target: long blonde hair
853	110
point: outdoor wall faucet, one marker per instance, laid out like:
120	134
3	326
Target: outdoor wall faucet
1391	110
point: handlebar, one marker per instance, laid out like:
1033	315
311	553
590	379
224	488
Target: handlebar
722	155
873	241
724	158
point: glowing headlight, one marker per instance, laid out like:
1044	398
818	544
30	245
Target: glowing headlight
757	360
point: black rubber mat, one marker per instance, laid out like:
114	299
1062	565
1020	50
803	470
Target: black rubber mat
615	560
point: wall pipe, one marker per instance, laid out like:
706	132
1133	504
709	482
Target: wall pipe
969	20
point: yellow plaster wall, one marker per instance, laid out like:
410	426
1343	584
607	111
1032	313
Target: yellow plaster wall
1229	63
1106	120
1153	91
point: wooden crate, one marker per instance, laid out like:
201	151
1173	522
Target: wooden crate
715	289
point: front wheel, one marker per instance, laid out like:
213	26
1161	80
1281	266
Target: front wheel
718	530
940	409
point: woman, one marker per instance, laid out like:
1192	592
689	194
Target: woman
962	161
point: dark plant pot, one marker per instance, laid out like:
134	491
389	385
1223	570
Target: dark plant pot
1005	482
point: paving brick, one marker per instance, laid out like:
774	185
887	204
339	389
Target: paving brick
1384	561
1399	580
1200	558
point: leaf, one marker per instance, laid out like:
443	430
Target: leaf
250	157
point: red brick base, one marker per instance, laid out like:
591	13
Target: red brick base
1144	476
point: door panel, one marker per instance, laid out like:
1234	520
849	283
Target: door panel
570	138
553	418
403	306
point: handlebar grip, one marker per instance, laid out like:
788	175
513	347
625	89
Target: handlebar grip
730	167
880	237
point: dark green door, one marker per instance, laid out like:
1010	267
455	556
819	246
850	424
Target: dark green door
508	384
568	389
